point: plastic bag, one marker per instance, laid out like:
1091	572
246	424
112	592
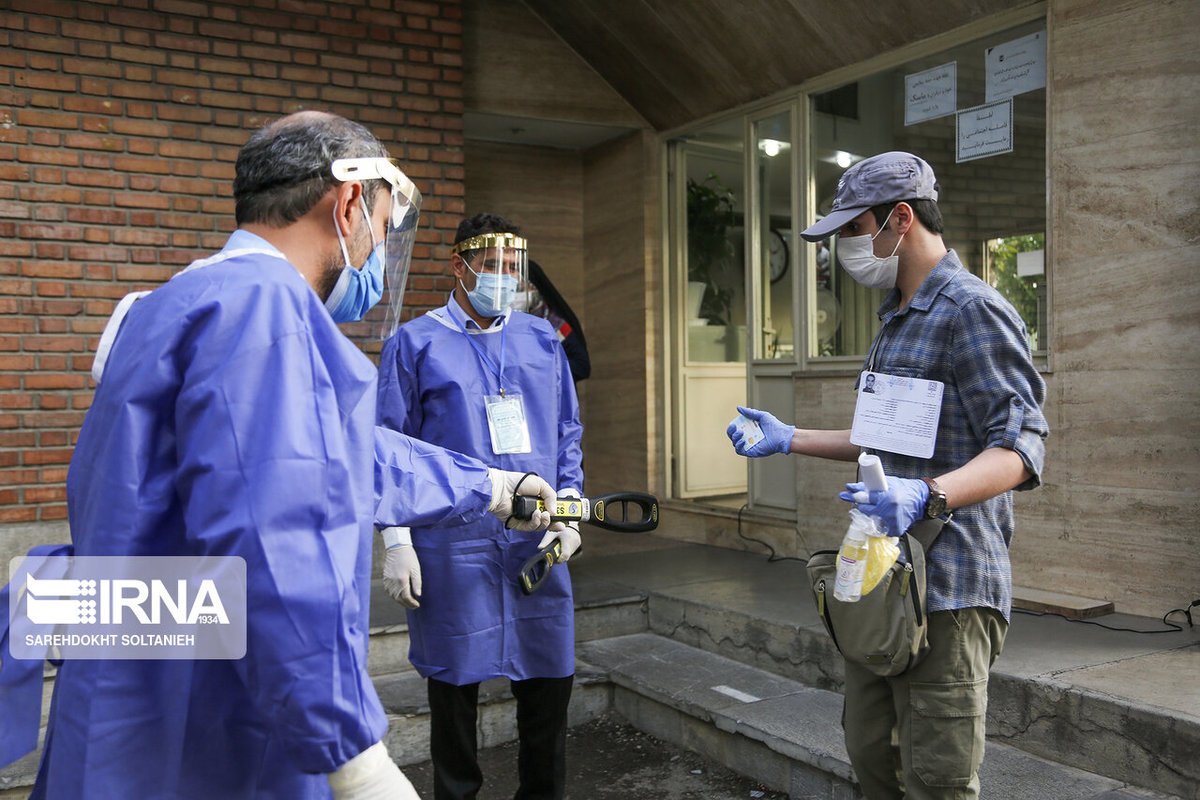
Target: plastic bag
882	553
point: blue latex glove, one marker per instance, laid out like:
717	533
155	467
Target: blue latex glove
777	437
902	504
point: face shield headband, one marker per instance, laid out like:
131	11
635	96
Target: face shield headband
403	215
500	263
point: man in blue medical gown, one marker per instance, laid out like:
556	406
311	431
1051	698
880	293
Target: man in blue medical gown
479	378
233	418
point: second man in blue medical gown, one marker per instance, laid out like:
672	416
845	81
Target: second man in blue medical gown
480	379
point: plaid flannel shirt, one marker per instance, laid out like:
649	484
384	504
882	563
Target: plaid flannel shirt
962	332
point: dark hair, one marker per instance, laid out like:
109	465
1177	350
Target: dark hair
482	223
284	168
926	211
485	223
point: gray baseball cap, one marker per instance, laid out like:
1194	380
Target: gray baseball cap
875	181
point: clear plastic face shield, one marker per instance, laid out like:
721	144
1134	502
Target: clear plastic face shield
397	244
500	265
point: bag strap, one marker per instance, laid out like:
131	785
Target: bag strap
926	531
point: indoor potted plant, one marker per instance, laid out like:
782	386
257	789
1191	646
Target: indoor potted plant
709	251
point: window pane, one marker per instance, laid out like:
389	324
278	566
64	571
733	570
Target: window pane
984	199
1017	268
716	298
772	165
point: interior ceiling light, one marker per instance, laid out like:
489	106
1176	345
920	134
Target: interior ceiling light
772	147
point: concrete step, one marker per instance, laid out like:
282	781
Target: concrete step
784	733
1054	691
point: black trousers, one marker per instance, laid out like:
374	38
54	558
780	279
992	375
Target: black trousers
541	734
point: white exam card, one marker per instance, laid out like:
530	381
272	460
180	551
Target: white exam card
897	414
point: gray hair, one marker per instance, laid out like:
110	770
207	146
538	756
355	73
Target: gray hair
284	168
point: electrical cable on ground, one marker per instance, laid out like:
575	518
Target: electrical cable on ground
774	556
1171	626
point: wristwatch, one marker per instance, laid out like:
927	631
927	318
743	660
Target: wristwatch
935	506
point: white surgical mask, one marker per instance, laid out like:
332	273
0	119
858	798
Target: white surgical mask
522	301
857	257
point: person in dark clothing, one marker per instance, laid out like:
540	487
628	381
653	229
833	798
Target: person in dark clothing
543	300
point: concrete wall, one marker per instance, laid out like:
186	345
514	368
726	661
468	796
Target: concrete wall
623	287
1120	516
541	189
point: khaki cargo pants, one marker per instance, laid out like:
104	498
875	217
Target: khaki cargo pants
920	735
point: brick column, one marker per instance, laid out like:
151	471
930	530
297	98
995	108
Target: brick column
119	127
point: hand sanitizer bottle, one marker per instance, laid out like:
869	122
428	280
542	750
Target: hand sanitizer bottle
855	549
852	558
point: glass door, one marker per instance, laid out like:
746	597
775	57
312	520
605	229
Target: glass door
706	184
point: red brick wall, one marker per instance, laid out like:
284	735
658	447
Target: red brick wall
119	125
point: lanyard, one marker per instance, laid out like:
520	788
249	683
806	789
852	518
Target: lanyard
879	341
483	356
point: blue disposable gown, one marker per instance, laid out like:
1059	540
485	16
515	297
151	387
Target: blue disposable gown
474	623
234	419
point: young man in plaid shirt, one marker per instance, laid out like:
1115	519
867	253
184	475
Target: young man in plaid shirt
921	734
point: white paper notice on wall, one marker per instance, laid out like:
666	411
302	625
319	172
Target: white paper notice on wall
931	93
1031	263
984	131
1016	67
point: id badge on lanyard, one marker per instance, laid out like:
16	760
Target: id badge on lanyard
894	413
507	424
897	414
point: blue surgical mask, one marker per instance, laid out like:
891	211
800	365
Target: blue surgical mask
492	294
357	290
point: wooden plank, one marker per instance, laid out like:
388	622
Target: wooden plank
1067	605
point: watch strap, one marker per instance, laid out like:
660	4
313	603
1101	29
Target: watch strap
935	491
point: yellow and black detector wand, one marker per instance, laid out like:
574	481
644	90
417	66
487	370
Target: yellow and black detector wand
535	571
611	511
618	511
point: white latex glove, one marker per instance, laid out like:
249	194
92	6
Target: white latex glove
503	486
371	775
401	568
566	532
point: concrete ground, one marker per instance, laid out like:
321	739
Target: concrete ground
609	759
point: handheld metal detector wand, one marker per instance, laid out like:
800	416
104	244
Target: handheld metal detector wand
617	511
609	511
